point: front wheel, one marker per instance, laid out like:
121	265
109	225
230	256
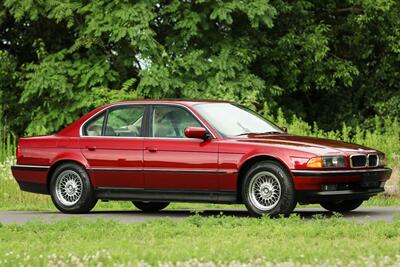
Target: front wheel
268	189
150	206
71	190
342	206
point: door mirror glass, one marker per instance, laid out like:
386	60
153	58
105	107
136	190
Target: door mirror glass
196	132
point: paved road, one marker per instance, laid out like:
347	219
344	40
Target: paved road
19	217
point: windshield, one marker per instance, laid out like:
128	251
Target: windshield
231	120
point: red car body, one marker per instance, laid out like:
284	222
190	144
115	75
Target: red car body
192	169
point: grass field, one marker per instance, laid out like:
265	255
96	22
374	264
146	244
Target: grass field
195	240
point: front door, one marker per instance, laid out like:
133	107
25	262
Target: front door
112	143
174	163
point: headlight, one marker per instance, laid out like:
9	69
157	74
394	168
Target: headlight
382	160
327	162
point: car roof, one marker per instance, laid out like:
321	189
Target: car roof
187	102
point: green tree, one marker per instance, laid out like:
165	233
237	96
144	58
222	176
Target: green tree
327	61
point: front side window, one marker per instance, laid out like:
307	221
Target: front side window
170	121
231	120
125	121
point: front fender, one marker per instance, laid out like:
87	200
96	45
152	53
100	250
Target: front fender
283	158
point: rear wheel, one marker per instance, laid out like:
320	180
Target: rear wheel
342	206
150	206
268	189
71	190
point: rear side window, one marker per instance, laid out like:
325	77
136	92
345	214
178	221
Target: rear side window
124	121
94	127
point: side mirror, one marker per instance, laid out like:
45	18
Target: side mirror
284	129
196	132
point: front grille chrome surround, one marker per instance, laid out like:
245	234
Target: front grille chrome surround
358	161
373	160
364	161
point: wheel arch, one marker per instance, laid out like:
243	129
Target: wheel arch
246	165
58	163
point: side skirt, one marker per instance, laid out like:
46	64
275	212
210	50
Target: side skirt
141	194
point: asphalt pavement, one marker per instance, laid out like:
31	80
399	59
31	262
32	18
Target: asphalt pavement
126	216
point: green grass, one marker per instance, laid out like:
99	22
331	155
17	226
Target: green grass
200	239
193	241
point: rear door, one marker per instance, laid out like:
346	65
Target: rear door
112	143
174	163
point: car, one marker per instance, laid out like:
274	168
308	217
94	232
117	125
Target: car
153	152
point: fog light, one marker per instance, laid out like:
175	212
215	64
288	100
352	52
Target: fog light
329	187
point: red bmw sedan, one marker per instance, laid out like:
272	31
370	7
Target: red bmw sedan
156	152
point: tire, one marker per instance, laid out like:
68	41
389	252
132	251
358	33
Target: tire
276	194
71	190
342	206
150	206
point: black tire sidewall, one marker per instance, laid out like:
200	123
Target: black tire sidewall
287	201
87	200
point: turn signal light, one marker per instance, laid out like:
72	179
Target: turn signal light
327	162
18	152
316	162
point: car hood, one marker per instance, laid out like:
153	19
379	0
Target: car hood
308	144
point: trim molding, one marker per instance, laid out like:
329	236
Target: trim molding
158	170
339	172
29	168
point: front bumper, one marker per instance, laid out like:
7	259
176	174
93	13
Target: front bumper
334	185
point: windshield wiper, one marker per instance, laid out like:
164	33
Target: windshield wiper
270	132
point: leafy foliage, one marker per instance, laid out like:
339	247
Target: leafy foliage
326	61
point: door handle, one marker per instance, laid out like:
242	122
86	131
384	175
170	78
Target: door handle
91	148
152	149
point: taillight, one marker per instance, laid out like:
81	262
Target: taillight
18	152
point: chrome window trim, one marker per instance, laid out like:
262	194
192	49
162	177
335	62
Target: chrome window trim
358	167
103	110
147	137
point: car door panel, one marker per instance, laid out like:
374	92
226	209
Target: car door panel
115	157
174	162
181	164
115	162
